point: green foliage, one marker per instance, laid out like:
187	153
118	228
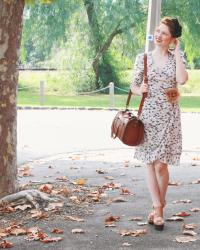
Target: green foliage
188	13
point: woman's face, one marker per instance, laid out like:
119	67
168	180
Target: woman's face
162	36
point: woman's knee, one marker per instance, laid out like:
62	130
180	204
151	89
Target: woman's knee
160	167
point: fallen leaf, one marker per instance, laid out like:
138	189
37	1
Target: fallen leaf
196	158
126	244
111	186
23	207
53	239
110	225
134	233
142	223
196	182
80	182
175	218
99	171
111	219
125	191
78	231
74	218
62	178
136	219
118	199
25	171
182	214
39	214
195	209
174	183
185	239
57	231
181	201
109	177
53	206
46	188
189	226
6	244
33	230
189	232
18	231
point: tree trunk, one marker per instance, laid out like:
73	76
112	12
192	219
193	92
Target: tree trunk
11	16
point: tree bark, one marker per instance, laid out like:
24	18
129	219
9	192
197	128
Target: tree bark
11	16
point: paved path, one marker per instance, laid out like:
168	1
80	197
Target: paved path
43	133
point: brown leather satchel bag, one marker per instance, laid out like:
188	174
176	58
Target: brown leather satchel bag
126	126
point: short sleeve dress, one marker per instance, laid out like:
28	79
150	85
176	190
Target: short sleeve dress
162	119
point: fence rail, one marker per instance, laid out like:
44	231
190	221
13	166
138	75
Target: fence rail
111	86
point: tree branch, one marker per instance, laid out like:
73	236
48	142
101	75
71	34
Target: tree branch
107	43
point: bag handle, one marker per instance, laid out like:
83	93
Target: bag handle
144	94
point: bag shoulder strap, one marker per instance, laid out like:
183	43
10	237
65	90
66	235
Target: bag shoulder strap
144	94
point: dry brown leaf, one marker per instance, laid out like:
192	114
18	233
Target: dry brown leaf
39	214
57	231
126	244
185	239
109	178
118	199
23	207
189	226
135	219
18	231
195	209
175	218
62	178
3	232
142	223
74	218
99	171
33	230
181	201
53	239
174	183
125	191
111	219
25	171
111	186
196	182
53	206
182	214
8	209
134	233
80	182
196	158
78	231
110	225
189	232
6	244
46	188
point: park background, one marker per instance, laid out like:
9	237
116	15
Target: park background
76	48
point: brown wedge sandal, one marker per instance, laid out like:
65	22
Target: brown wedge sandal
150	218
158	221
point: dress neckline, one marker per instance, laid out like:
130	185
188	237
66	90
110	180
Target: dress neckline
153	64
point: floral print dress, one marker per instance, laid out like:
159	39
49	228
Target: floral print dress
161	118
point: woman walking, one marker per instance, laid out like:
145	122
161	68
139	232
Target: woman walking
162	143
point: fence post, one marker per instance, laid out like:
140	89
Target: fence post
42	93
111	94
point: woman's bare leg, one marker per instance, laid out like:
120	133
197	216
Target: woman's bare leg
153	186
162	176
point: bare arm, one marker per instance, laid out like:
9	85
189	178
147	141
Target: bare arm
181	73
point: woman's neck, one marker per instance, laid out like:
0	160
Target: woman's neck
163	51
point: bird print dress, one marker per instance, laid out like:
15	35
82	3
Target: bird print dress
161	118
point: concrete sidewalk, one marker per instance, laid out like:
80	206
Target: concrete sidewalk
114	170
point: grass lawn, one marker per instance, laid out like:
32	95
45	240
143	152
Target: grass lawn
188	103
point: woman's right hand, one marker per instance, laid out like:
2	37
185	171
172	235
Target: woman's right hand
143	88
